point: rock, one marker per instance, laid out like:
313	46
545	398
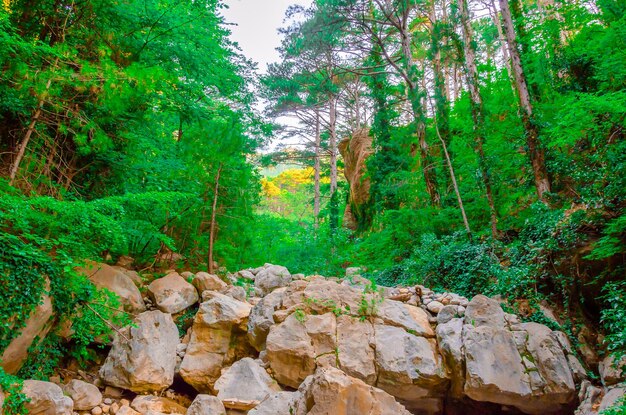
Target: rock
410	318
46	398
206	405
410	369
612	397
218	338
612	373
290	352
37	327
246	275
116	281
330	391
352	271
272	277
525	368
172	293
434	307
355	353
278	403
146	403
84	395
208	282
261	318
236	292
446	314
450	342
588	396
127	410
144	361
97	411
244	385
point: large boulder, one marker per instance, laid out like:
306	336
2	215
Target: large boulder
244	385
172	293
262	318
330	391
46	398
612	372
204	281
116	281
145	404
206	405
37	326
410	369
519	365
218	338
85	395
271	277
279	403
355	348
143	356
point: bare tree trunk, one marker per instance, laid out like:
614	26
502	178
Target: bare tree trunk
332	103
503	42
316	167
535	152
213	215
477	110
29	132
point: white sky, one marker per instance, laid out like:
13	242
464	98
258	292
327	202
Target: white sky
257	23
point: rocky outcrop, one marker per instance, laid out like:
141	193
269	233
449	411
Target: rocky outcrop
145	404
340	346
143	356
172	293
218	338
355	150
46	398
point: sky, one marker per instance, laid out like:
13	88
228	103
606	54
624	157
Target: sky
257	23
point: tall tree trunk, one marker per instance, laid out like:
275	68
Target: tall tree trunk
442	105
332	110
212	229
316	167
478	114
419	117
535	152
501	37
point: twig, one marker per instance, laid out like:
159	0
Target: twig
108	323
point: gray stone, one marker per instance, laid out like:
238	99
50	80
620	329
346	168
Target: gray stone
84	395
272	277
172	293
244	385
206	405
46	398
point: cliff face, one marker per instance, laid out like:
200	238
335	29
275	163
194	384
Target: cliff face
355	151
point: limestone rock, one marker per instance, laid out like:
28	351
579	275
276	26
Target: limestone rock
208	282
147	403
244	385
116	281
410	369
127	410
611	398
46	398
261	318
278	403
450	342
612	372
410	318
206	405
290	352
84	395
145	359
435	307
236	292
355	353
218	335
525	367
172	293
330	391
37	326
272	277
246	275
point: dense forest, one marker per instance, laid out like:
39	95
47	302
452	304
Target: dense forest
475	146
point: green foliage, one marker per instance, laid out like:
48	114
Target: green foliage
14	398
619	408
614	317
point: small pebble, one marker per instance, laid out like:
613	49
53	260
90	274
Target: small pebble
108	401
124	402
96	411
106	408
